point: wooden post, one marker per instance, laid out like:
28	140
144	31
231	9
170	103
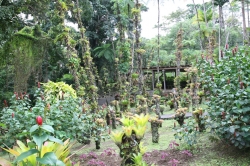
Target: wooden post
153	79
164	80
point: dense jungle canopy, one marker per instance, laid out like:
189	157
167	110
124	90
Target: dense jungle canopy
37	44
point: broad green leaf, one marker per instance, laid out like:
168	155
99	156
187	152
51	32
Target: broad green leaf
34	128
26	154
40	139
53	139
50	158
48	128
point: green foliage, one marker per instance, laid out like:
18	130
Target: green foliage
65	115
58	90
44	149
104	51
226	85
188	132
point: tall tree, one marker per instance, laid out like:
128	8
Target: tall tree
220	3
245	36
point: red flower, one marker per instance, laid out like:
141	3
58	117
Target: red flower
226	46
241	85
38	85
12	115
5	103
39	120
16	95
236	49
223	114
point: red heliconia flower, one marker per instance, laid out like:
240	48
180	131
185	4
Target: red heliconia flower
39	120
226	46
16	95
241	85
5	103
228	81
21	95
223	114
12	115
38	85
221	53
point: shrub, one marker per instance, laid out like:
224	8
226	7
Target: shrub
67	115
226	85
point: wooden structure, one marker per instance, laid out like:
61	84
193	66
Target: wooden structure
164	70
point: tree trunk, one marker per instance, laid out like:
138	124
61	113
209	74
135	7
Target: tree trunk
198	26
137	46
205	15
247	14
243	20
220	11
155	132
158	43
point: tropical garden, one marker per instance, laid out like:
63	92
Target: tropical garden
77	86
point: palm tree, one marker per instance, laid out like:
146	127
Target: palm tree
220	3
244	21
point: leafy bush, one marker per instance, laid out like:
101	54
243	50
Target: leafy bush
69	117
226	85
